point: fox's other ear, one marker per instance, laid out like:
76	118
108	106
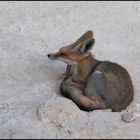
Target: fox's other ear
85	46
85	36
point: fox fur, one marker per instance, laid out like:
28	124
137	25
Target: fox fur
90	83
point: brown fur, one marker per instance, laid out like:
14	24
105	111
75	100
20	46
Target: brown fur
90	83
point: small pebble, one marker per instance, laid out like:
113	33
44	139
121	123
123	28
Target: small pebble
128	117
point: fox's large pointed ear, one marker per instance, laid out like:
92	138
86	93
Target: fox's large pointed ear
85	36
85	46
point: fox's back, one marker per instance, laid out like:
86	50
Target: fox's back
110	82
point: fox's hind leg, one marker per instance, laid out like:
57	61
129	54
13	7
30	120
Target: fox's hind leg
90	104
84	102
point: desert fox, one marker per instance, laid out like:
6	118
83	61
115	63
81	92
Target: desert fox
90	83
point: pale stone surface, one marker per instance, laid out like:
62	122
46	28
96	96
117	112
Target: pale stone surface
30	103
128	117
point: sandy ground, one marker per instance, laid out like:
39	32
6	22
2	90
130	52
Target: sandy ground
30	103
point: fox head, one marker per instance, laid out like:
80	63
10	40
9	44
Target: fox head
72	54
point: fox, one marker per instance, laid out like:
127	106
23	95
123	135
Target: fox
90	83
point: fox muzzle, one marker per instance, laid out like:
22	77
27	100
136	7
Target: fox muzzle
52	56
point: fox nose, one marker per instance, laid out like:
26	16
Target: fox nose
49	55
